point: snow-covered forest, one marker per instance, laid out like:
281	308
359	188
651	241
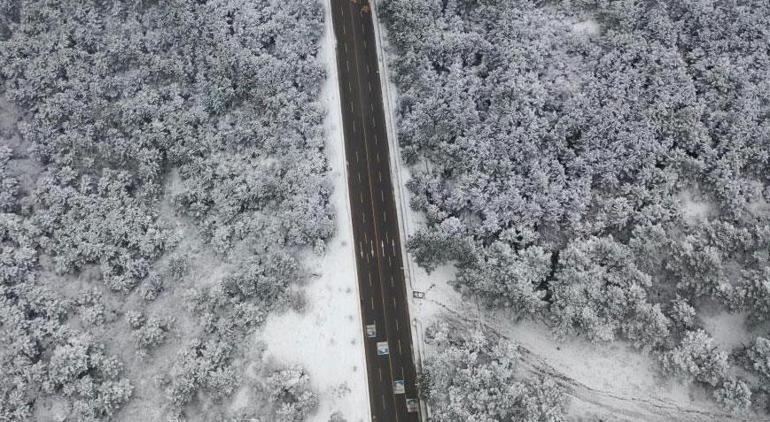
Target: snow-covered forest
162	168
598	165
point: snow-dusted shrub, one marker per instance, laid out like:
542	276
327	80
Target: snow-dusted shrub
151	286
150	333
9	186
203	365
753	294
80	370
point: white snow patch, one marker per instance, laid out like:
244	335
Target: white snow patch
588	27
693	207
728	329
240	399
759	208
327	338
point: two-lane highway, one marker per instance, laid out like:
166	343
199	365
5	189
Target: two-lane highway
375	222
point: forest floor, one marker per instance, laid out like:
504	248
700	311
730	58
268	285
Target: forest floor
327	339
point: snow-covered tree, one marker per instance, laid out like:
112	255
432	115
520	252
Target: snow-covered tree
759	356
290	393
475	379
734	395
697	357
599	292
506	277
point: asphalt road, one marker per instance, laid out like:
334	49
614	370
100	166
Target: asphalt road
373	208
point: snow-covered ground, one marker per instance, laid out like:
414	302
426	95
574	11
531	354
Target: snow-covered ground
327	338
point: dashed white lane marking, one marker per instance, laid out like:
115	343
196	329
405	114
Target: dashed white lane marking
399	347
397	328
371	301
370	279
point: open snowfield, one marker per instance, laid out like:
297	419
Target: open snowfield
326	339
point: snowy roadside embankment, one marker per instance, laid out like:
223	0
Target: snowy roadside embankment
326	339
